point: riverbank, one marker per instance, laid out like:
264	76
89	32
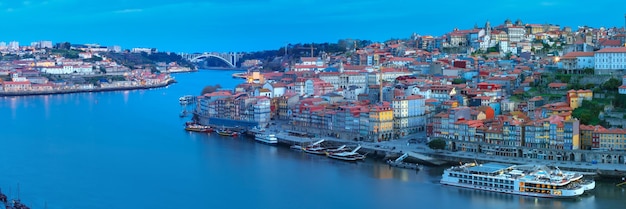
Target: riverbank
425	155
100	89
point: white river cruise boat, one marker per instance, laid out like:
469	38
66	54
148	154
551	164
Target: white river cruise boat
266	138
529	180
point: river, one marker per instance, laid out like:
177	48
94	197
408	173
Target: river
128	150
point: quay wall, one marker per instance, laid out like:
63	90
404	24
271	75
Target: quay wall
390	151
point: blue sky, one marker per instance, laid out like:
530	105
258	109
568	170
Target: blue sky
250	25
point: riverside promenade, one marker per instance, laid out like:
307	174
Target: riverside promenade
424	154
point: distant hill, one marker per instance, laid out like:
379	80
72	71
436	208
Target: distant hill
137	59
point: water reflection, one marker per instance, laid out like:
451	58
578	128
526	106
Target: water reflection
13	105
125	95
384	171
46	106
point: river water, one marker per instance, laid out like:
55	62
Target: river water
129	150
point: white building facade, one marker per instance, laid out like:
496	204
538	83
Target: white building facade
609	60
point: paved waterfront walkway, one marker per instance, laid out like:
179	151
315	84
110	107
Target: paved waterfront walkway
403	146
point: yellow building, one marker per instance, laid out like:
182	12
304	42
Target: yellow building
381	121
612	139
44	63
575	98
255	77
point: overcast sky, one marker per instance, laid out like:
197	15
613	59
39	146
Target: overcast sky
250	25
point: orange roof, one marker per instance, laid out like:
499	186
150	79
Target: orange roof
612	50
557	85
578	54
611	43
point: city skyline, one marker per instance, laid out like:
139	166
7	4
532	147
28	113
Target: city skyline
246	25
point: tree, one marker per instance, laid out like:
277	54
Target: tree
588	112
210	89
437	144
612	84
620	101
458	81
589	71
508	55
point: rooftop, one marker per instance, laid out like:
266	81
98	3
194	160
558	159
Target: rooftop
489	167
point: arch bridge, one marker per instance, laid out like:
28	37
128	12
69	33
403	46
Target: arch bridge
229	58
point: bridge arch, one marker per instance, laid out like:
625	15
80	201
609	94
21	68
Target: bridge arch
203	56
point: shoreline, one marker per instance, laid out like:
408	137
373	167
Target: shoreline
393	149
71	91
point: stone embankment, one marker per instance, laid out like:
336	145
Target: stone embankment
421	153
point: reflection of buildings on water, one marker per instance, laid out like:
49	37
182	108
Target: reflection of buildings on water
384	171
607	189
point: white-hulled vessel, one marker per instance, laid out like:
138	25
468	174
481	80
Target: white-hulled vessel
347	155
266	138
315	148
529	180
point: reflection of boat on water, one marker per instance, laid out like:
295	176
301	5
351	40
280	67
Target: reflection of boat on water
315	148
226	132
528	180
347	155
266	138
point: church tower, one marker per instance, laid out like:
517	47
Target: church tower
341	67
487	28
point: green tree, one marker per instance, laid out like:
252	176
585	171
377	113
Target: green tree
437	143
508	55
589	71
210	89
620	101
612	84
588	112
458	81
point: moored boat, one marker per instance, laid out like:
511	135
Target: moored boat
399	162
198	128
347	155
226	132
315	148
296	147
266	138
342	148
528	180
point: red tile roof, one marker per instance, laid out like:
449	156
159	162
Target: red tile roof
612	50
579	54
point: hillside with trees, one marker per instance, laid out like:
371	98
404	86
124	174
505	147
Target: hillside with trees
131	60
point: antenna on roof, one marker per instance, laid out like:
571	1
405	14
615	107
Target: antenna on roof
380	78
